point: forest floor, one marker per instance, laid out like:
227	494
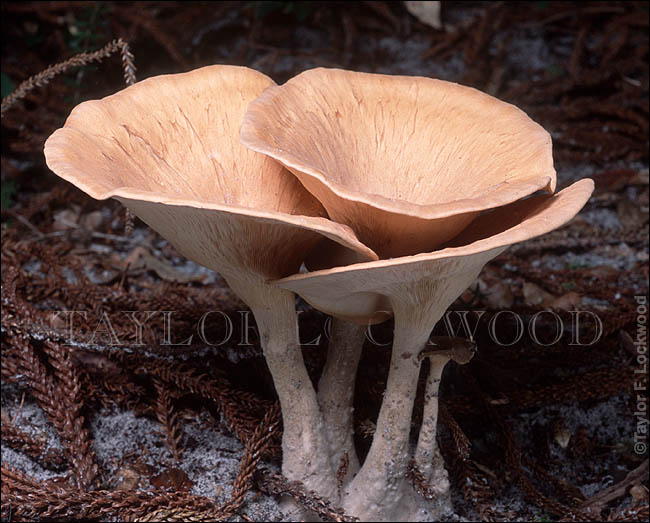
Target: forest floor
102	422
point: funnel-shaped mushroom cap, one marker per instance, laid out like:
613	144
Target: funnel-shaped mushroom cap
407	162
168	148
366	292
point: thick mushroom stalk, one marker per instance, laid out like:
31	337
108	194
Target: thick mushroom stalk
305	452
418	289
427	456
336	392
168	148
382	480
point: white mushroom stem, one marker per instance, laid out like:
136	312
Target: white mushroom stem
381	488
425	450
388	453
427	457
336	390
305	449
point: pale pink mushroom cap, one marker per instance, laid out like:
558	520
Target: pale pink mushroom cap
168	148
407	162
365	292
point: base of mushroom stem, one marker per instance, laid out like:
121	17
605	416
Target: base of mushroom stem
402	504
413	507
293	512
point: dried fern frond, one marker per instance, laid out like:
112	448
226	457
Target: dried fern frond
43	78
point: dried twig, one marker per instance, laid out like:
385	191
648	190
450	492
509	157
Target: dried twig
17	439
28	498
595	504
463	445
67	393
239	408
255	447
307	499
43	78
166	415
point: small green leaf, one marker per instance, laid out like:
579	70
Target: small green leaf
7	85
555	70
577	265
263	9
8	190
302	10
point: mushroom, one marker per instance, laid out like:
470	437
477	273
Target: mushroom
407	162
168	149
418	289
427	456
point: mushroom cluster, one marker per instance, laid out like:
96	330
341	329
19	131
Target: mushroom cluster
393	192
